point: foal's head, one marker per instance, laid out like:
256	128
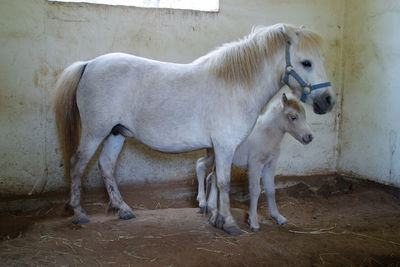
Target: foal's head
294	120
303	56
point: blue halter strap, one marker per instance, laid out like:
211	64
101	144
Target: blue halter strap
307	88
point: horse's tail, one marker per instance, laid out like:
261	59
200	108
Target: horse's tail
67	114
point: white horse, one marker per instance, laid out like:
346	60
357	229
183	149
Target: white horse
259	153
211	102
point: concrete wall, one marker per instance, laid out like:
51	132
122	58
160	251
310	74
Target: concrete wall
370	130
39	39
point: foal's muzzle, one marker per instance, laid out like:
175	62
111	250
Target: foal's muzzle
307	138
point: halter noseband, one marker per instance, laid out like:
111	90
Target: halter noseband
307	88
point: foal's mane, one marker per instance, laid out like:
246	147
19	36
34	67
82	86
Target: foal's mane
292	102
240	61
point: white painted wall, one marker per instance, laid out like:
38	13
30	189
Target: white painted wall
39	39
370	129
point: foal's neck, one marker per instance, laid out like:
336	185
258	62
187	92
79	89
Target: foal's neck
272	123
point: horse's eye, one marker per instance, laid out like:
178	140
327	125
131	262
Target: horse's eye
306	64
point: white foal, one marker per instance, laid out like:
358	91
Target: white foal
259	153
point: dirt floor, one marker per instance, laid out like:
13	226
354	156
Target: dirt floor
332	222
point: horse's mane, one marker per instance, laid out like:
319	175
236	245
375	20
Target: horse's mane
240	61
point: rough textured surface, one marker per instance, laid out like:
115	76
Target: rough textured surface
40	38
370	133
333	222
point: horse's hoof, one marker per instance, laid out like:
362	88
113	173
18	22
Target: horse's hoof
233	230
220	222
203	210
254	228
80	219
127	215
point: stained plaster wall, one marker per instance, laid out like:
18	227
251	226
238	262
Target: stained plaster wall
369	133
39	39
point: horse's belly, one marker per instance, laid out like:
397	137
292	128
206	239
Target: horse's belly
173	140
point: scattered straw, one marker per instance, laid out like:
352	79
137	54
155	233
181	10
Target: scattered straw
316	232
136	256
151	237
328	231
68	245
126	237
98	262
215	251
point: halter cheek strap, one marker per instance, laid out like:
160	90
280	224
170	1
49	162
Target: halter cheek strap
307	88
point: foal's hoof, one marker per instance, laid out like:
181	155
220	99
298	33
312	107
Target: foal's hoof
80	219
126	215
213	221
232	230
254	228
280	220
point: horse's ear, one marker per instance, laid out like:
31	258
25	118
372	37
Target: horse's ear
290	33
285	101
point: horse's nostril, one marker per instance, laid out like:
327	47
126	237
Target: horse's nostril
329	100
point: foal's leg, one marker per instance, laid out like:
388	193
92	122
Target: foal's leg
269	187
80	160
202	165
255	169
108	157
223	162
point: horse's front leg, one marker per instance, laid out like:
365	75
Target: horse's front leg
223	162
255	169
108	158
269	187
202	165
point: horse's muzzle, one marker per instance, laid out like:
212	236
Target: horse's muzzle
324	104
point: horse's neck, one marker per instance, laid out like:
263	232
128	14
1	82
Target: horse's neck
269	81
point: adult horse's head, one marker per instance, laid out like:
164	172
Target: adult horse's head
304	68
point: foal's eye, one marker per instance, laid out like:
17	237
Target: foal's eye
292	117
306	64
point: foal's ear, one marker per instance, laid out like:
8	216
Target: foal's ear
285	101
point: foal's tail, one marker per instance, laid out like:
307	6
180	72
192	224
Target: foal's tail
67	114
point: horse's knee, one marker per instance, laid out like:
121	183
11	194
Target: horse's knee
224	186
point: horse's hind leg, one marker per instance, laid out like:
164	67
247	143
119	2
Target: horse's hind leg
212	202
79	162
202	165
109	155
